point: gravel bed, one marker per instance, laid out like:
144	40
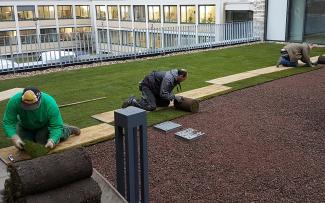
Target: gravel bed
261	144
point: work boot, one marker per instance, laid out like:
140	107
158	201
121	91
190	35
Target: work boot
74	130
129	102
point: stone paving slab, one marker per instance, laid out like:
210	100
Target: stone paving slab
88	136
9	93
106	117
204	91
253	73
232	78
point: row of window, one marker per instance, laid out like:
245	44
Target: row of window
187	13
44	12
47	35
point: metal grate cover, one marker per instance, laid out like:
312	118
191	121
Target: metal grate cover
189	134
167	126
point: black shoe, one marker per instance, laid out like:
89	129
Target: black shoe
74	130
129	102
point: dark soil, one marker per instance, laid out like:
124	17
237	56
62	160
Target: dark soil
261	144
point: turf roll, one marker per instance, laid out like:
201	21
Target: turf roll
49	172
321	60
187	104
82	191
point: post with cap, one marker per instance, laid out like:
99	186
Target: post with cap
128	123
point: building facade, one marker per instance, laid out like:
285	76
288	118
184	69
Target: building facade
23	19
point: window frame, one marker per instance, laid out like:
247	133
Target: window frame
12	13
99	17
80	6
113	17
144	12
23	19
205	11
129	12
50	18
60	11
154	21
4	42
168	6
186	6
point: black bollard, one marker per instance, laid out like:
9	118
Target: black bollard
128	123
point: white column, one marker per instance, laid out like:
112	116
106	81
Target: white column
17	29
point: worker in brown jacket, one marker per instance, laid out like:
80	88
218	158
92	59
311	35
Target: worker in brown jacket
291	53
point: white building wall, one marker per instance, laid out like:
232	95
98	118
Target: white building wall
276	20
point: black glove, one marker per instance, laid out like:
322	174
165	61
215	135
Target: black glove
179	99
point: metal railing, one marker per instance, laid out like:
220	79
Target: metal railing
46	50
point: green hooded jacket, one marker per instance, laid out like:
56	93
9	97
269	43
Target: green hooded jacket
48	114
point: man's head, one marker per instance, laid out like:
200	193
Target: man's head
31	98
181	75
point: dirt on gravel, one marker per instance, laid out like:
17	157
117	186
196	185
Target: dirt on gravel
261	144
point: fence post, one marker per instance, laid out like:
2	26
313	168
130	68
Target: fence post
11	54
128	122
59	46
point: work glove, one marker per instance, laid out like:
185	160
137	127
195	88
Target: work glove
17	142
179	99
50	144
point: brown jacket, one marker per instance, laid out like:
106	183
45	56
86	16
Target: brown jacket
298	52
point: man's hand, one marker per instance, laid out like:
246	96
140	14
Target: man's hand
50	144
179	99
17	142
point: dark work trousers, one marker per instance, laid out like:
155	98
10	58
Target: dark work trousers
41	135
149	101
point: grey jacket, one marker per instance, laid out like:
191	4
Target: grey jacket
298	52
162	83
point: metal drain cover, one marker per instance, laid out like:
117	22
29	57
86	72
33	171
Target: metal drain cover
189	134
167	126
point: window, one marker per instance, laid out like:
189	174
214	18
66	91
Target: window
100	13
139	13
154	13
127	38
82	12
48	35
187	14
102	35
28	36
238	16
46	12
112	12
26	12
125	13
114	36
6	36
207	14
140	39
170	14
66	33
65	12
6	13
83	29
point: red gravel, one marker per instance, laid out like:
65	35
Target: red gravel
261	144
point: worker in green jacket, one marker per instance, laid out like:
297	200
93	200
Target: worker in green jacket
293	52
34	115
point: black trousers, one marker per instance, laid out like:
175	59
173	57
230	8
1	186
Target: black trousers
149	101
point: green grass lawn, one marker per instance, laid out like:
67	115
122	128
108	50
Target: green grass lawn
119	81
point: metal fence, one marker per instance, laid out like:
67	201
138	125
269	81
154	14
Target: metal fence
39	51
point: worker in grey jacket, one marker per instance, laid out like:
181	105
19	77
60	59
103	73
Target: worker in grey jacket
291	53
157	89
